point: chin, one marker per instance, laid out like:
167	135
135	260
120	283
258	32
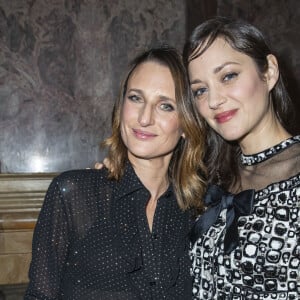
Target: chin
140	154
231	136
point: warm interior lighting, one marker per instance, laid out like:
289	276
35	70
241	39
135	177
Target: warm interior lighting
37	164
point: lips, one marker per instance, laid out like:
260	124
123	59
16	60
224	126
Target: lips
143	135
225	116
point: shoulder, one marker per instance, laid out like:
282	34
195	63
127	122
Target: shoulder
82	174
83	179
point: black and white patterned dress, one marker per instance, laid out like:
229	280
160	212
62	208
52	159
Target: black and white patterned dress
266	263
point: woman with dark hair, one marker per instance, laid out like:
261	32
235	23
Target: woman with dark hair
246	244
122	234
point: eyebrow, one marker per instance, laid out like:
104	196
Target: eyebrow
135	90
217	70
161	97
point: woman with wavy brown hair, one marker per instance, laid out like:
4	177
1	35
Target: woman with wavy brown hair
122	234
186	170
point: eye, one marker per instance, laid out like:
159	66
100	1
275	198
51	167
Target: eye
199	92
134	98
230	76
167	107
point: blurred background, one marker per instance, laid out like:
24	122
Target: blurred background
61	62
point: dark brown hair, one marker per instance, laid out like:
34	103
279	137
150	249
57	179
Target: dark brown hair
222	156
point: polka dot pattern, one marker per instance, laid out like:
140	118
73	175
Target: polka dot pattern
92	241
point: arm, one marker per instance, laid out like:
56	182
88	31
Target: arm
49	248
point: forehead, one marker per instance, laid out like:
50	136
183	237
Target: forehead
149	67
150	74
217	54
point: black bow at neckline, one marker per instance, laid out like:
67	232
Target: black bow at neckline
217	199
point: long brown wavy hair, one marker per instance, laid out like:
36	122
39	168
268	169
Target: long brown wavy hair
222	156
186	170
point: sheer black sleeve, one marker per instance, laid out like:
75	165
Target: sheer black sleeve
50	246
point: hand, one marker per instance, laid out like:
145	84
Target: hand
98	165
105	163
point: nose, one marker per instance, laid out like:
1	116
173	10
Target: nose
146	115
215	99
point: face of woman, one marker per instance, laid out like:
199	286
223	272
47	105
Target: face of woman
230	93
150	125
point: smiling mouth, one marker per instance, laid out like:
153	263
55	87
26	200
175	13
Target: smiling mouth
225	116
143	134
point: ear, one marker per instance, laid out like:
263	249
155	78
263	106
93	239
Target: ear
272	73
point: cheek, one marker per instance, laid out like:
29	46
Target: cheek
122	131
125	120
127	113
250	89
245	91
203	109
171	126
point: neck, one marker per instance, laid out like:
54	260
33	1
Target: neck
153	173
259	140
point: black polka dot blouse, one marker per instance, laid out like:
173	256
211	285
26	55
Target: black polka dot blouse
92	241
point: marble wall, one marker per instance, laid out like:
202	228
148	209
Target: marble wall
61	62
